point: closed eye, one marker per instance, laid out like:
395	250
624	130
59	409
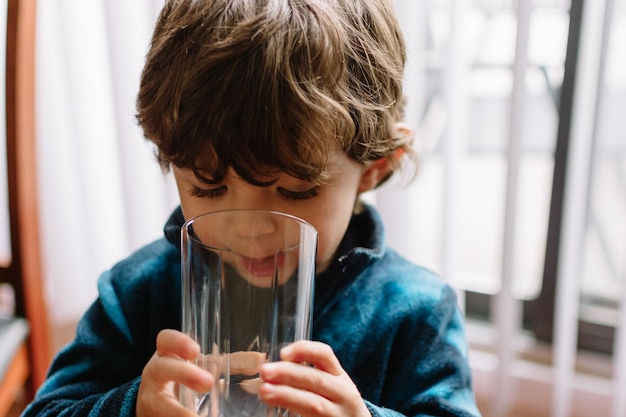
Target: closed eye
299	195
208	192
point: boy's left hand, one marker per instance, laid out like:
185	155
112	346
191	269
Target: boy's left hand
323	389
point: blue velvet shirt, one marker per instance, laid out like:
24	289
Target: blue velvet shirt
394	326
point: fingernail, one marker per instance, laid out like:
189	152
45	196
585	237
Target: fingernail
206	377
268	370
286	352
266	390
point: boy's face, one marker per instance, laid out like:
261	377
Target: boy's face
328	207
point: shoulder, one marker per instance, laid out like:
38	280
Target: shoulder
150	266
139	295
392	291
153	258
395	275
405	292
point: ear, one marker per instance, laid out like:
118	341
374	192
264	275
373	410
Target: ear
379	171
403	128
373	174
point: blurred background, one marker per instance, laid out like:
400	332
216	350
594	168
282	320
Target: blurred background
520	202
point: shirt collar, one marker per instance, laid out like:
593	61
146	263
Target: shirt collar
362	245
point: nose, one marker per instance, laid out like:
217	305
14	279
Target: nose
246	196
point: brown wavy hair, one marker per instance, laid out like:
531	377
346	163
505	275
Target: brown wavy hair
268	86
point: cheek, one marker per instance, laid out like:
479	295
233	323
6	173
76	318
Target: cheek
190	209
325	255
330	235
331	219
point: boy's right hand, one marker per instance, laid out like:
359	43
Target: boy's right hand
168	367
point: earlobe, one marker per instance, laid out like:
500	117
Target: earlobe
373	174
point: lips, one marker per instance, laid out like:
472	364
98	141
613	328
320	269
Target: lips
263	267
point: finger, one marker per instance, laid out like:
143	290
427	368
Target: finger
174	343
318	354
298	401
305	378
167	368
160	376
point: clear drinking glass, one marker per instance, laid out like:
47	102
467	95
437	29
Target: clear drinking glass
247	292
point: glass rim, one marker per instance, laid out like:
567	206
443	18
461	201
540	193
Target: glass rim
189	222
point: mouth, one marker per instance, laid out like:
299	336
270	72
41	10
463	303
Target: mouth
263	267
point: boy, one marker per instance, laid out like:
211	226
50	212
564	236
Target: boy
292	106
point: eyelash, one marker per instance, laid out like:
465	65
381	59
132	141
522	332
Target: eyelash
208	193
290	195
299	195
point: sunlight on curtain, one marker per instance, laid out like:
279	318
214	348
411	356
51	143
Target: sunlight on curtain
102	193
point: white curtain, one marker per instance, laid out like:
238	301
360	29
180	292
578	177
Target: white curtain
102	193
